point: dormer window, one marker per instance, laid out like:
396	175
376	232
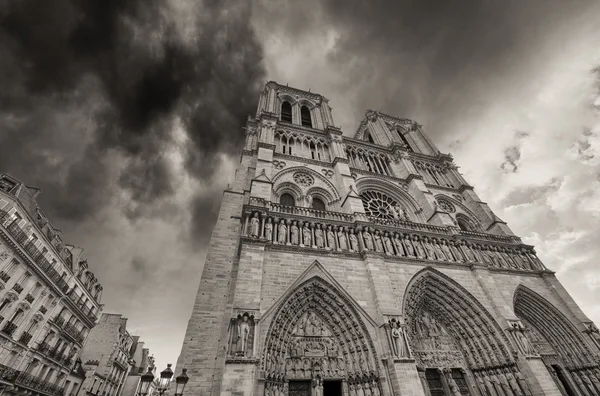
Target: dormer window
305	117
286	112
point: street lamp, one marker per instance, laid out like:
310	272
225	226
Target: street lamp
180	382
165	379
145	382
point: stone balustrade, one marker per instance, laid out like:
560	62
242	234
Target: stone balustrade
336	232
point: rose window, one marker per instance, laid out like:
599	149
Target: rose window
377	204
446	206
304	179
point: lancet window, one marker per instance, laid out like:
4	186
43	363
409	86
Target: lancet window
434	174
404	140
305	117
286	112
369	161
301	145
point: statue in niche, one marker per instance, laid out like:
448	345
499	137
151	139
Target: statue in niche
309	201
446	249
429	253
244	332
455	252
359	390
313	324
353	241
410	250
388	243
466	250
342	238
306	234
454	390
294	233
269	230
398	344
378	242
368	240
398	245
282	232
330	238
319	236
375	388
419	247
351	390
254	225
438	250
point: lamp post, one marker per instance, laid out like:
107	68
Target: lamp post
180	382
165	379
145	382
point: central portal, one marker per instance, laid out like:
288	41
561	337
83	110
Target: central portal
332	388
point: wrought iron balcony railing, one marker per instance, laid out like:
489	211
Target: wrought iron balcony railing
43	347
18	288
4	276
29	298
8	374
9	328
29	381
25	338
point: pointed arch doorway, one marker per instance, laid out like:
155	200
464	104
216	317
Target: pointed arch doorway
318	345
458	346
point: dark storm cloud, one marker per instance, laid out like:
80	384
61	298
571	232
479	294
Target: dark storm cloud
204	209
129	73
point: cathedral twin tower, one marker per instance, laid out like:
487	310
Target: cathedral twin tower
368	266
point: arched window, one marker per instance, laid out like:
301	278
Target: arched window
318	204
305	117
287	200
404	140
369	138
286	112
464	223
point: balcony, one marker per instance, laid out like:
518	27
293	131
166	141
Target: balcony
39	385
9	328
59	321
4	276
18	288
36	255
29	298
25	338
8	374
43	348
73	333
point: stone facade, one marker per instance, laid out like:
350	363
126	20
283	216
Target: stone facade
368	266
106	357
49	299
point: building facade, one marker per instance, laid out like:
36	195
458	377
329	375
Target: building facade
49	299
106	357
141	361
368	266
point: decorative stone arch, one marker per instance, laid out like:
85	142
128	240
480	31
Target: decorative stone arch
319	178
466	213
393	191
322	194
560	332
317	332
572	361
289	188
306	102
480	338
471	223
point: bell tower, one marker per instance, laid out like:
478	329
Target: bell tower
368	266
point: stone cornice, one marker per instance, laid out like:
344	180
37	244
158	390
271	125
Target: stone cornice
267	146
294	91
287	126
378	176
302	159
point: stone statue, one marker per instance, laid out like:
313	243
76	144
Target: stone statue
394	212
375	389
405	215
410	250
359	390
243	334
446	249
330	238
526	345
368	240
319	236
294	233
353	241
282	232
438	250
306	235
309	201
398	245
378	242
419	247
388	243
398	341
429	252
269	230
254	225
343	245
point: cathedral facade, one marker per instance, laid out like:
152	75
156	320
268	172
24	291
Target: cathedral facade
368	266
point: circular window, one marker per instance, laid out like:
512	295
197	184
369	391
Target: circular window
377	204
445	205
303	179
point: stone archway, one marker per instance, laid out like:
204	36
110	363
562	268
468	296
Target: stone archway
318	335
565	352
467	347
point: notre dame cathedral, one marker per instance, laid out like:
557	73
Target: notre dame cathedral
368	266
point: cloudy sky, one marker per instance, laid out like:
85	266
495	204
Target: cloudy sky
128	114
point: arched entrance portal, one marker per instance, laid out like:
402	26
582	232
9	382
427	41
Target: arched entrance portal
318	345
457	344
564	350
